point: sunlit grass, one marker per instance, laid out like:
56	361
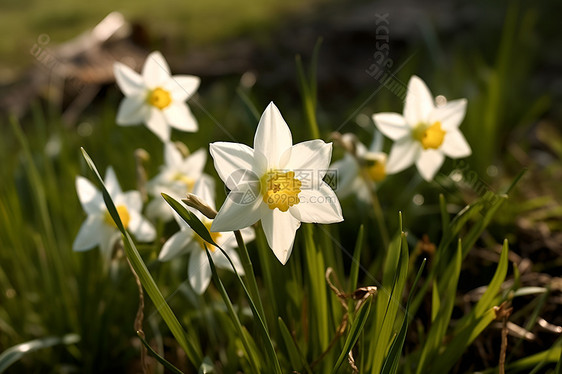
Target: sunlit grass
198	22
406	307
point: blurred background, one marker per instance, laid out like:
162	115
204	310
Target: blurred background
56	83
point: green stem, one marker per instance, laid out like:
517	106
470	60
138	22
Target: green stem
250	276
264	256
316	270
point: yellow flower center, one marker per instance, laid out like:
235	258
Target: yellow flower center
375	168
123	215
189	182
280	190
159	98
430	136
214	236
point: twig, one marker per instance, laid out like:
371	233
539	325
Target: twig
503	312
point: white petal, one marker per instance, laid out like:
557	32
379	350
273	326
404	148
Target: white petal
157	123
311	156
402	155
377	143
141	228
199	271
128	80
248	234
235	214
362	190
419	102
89	234
111	183
455	145
280	229
346	171
108	241
450	115
205	191
232	161
132	111
182	86
194	164
175	246
222	262
155	71
90	197
180	117
273	136
429	162
132	200
318	206
159	209
228	240
172	156
392	125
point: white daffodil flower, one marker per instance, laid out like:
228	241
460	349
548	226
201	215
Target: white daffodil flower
276	182
425	133
99	229
361	170
187	241
176	178
155	97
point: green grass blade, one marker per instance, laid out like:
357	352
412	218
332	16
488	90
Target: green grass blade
308	100
249	104
15	353
391	361
558	369
494	287
190	218
387	311
353	335
516	180
475	231
355	261
159	358
295	355
230	308
457	346
549	356
316	272
250	276
435	302
447	287
198	226
192	350
489	298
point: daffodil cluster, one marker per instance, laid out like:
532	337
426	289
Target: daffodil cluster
275	182
423	135
285	185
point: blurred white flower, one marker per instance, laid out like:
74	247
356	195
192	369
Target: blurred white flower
187	241
276	182
99	229
425	133
155	97
358	172
176	178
